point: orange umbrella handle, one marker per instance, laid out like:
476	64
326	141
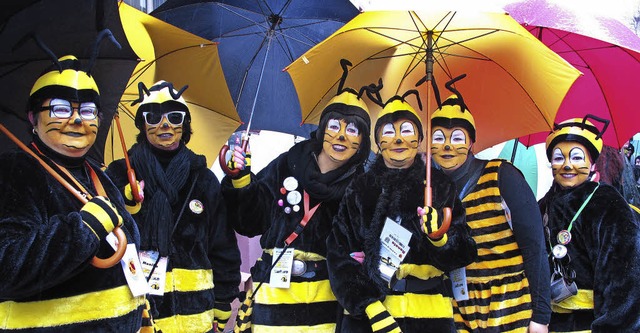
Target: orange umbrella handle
223	163
117	256
122	239
131	174
446	223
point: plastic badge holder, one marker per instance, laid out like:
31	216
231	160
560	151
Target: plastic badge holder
561	289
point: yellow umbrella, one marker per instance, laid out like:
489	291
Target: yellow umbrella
514	83
174	55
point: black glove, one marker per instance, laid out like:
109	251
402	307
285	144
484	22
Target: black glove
430	224
381	320
101	216
240	160
221	314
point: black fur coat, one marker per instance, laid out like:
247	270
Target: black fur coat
605	255
393	193
45	253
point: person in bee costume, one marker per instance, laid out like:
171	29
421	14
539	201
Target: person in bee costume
302	185
506	288
186	240
387	254
593	237
48	236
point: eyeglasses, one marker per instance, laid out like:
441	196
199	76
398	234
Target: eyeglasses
62	109
174	117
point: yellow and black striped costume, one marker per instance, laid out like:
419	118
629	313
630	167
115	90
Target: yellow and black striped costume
421	301
499	291
48	284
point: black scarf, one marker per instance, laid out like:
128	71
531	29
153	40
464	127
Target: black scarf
164	174
320	186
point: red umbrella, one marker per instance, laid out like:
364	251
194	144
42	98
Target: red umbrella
605	50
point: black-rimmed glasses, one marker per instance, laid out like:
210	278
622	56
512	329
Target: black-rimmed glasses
86	111
174	117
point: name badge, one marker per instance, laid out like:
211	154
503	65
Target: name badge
394	247
459	284
158	278
281	273
131	268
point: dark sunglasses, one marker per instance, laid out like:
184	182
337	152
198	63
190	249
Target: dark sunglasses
174	117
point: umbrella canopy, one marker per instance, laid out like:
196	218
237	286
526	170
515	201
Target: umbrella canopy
174	55
514	83
66	27
605	50
257	40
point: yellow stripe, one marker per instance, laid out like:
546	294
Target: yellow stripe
100	214
298	292
415	306
495	264
493	236
322	328
68	78
201	322
582	301
98	305
423	272
497	290
494	306
483	223
188	280
500	249
495	322
379	325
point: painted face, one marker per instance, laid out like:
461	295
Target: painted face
164	131
570	164
450	147
398	143
68	128
341	140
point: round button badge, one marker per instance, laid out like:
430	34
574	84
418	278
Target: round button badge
294	197
290	183
559	251
196	206
564	237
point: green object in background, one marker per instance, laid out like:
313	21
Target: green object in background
525	159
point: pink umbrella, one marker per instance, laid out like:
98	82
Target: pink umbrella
605	50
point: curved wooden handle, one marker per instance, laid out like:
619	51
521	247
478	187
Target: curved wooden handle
122	238
223	162
446	223
117	256
135	190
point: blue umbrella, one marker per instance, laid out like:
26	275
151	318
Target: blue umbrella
258	38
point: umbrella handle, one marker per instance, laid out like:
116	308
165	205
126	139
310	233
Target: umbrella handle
223	163
446	223
122	239
117	256
131	174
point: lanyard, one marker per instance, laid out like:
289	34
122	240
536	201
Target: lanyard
575	216
308	213
79	187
